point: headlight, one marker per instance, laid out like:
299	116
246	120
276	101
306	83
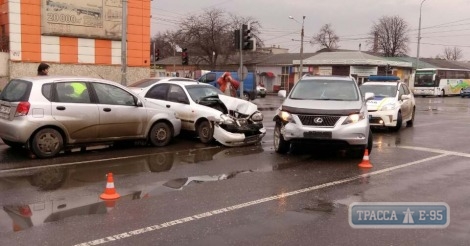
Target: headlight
386	107
258	116
354	118
285	116
225	119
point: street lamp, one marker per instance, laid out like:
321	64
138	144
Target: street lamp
419	34
301	44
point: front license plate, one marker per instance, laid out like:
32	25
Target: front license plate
5	110
322	135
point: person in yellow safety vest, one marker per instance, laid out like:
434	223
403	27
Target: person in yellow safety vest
78	88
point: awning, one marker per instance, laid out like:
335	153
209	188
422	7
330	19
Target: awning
268	74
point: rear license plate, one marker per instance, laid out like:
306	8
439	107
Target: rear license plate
5	109
321	135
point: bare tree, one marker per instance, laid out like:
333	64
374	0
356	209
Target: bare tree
389	36
210	35
326	37
163	42
453	54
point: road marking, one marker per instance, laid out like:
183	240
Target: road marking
248	204
437	151
94	161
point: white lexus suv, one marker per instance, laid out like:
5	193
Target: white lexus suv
324	110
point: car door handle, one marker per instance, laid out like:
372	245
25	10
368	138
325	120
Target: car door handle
60	108
168	106
107	110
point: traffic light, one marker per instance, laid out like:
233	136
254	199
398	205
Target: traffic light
184	57
157	54
237	39
246	38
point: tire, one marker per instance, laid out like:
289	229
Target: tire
47	143
410	122
399	122
443	93
160	135
263	96
13	145
205	132
281	146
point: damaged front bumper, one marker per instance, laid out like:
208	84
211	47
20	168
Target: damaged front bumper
233	139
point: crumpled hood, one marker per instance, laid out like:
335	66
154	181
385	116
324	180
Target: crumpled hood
377	102
238	105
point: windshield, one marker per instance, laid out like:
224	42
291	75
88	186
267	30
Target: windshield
144	83
424	79
339	90
196	92
379	90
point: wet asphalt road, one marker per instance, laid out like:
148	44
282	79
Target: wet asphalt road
195	194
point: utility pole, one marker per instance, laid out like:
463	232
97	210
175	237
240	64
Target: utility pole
301	67
154	58
241	60
124	43
419	34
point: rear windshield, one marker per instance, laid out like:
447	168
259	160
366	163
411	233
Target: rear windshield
337	90
16	91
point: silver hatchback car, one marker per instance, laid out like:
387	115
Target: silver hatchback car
50	114
324	110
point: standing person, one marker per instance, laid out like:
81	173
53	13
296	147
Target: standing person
43	69
228	85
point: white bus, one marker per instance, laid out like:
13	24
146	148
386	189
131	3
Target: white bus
440	81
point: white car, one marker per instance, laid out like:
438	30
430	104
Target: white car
392	104
205	110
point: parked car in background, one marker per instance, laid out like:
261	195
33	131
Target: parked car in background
392	104
205	110
49	114
323	111
261	91
249	83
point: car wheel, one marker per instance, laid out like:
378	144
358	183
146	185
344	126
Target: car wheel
443	93
47	143
281	146
160	134
263	96
13	145
410	122
399	123
205	132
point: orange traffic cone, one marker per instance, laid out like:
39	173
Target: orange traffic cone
365	161
110	192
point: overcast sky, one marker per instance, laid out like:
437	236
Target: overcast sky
444	22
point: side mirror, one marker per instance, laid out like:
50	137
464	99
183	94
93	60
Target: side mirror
282	93
139	103
368	96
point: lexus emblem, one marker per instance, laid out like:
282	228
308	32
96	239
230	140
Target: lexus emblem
318	120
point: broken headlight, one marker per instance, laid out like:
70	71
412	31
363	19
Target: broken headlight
258	116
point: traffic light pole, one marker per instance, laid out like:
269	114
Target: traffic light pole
241	61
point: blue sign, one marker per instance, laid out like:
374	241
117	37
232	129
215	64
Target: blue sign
399	215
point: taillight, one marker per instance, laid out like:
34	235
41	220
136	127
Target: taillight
22	109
